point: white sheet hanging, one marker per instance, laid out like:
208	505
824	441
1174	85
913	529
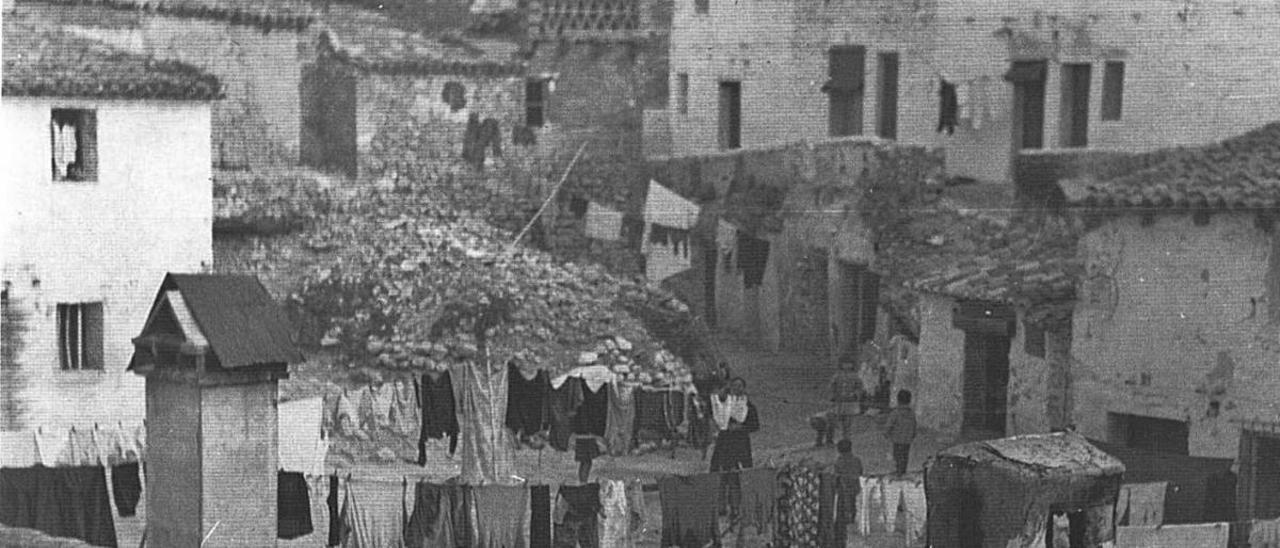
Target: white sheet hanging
664	207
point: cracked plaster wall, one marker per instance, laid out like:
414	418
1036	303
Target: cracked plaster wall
1174	323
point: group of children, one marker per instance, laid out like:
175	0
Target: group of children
850	398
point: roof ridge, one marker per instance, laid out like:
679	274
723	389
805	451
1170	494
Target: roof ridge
234	15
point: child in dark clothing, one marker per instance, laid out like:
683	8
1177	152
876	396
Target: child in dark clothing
848	470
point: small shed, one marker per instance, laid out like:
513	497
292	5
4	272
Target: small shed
213	349
1011	492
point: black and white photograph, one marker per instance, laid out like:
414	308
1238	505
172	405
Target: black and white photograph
640	273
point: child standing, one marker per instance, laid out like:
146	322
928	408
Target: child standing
848	470
901	431
846	394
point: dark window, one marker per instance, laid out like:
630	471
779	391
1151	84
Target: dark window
846	67
861	303
702	6
1034	343
887	121
1112	90
682	92
753	258
74	138
1150	433
535	92
730	115
80	335
1075	105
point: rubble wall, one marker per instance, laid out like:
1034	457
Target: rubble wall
259	121
1210	54
109	241
938	400
1174	322
1028	387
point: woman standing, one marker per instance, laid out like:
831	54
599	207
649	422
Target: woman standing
736	418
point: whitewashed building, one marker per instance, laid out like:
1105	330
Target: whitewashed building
106	187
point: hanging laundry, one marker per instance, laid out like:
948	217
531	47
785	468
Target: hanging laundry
439	416
526	402
616	526
603	223
689	509
299	426
666	252
963	105
664	207
579	509
651	413
619	429
562	405
405	418
828	535
1199	535
82	447
441	517
636	507
293	506
1146	503
798	507
593	413
594	376
348	413
948	109
381	399
66	501
501	510
54	446
481	393
473	142
335	521
372	515
18	449
540	516
1264	533
726	236
916	507
759	497
126	485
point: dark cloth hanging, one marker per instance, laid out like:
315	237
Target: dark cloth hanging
948	108
581	521
540	516
439	415
561	406
473	142
441	517
827	530
335	524
293	506
68	502
592	415
651	412
733	447
753	257
127	488
689	509
700	421
759	488
526	402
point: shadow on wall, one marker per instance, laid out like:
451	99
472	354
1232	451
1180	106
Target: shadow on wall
13	325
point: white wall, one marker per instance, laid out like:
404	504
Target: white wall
149	212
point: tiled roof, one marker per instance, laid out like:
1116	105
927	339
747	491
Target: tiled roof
371	42
243	325
265	14
1242	172
968	256
56	64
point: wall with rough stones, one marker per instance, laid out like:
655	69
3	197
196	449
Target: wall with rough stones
1177	320
259	121
1214	55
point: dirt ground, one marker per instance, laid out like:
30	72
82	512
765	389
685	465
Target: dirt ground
786	388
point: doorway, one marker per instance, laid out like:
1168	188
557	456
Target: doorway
988	333
730	115
1075	105
845	70
1028	78
860	300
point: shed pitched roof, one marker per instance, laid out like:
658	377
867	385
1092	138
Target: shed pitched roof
967	256
371	42
1242	172
1041	454
52	63
243	324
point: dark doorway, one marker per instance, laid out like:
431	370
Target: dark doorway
846	67
1028	79
730	115
1075	105
988	331
887	121
1149	433
1266	478
860	302
710	258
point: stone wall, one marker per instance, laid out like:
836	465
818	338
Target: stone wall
1174	322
